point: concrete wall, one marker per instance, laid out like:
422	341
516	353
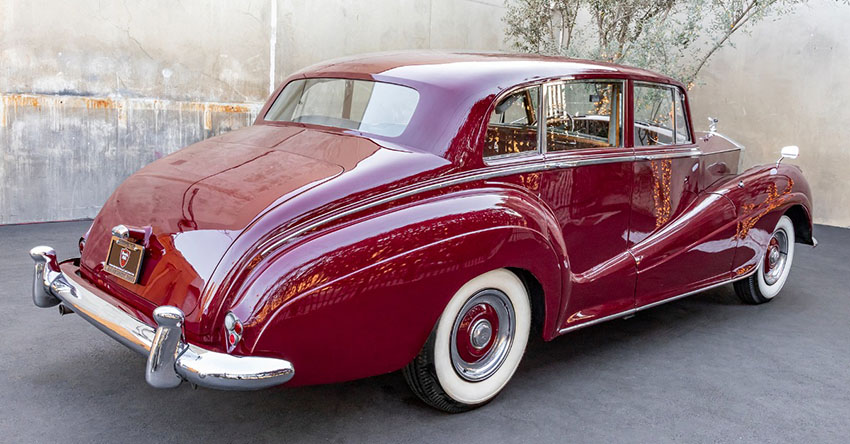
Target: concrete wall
91	91
787	84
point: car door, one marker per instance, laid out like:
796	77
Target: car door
587	185
681	238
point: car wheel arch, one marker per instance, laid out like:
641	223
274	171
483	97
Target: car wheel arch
524	246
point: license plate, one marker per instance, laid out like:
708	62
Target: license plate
124	259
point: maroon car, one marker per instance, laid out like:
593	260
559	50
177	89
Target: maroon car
425	212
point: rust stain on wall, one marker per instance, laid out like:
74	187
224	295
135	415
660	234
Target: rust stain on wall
12	102
80	148
100	103
17	100
36	101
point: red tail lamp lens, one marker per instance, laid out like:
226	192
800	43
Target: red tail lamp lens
233	327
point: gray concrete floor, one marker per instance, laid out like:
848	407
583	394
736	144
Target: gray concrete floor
703	369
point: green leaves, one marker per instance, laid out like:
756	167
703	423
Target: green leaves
675	37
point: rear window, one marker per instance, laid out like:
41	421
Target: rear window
379	108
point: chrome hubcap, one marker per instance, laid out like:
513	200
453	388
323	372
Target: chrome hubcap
776	256
482	335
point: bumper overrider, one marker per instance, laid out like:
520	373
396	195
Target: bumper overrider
170	360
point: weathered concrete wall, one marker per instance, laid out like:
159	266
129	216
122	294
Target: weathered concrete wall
786	84
92	91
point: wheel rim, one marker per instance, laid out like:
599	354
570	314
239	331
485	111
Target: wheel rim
482	335
776	257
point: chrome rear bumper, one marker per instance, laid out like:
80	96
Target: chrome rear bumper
170	359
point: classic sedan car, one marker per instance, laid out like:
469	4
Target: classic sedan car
425	212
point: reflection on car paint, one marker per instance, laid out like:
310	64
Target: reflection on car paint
662	173
774	200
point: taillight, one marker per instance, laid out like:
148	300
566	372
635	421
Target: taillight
233	329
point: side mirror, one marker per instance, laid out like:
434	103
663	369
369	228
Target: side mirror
789	152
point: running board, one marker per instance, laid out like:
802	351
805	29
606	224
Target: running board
632	311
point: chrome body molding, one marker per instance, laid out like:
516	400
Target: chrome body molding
446	181
490	172
621	314
684	153
517	165
170	360
567	162
632	311
730	150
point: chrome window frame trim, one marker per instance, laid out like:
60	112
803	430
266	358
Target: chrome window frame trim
674	89
681	94
505	158
515	163
544	100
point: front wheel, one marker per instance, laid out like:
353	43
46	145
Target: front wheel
476	345
773	268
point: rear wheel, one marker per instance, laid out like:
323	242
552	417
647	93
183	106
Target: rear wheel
773	268
476	345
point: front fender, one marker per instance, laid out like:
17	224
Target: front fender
360	298
761	196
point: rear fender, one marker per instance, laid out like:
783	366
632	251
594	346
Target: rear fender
360	298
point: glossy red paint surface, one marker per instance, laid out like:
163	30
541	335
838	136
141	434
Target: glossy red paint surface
338	250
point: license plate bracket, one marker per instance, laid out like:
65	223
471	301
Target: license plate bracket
124	259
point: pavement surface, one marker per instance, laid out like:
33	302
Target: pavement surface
703	369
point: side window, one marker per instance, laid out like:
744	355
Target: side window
513	125
682	133
583	114
653	115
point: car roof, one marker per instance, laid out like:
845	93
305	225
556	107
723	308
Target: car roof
456	89
473	71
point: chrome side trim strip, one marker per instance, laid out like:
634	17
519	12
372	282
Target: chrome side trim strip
442	183
632	311
621	314
540	164
721	151
567	163
690	293
689	153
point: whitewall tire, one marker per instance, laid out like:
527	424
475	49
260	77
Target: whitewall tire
773	267
476	346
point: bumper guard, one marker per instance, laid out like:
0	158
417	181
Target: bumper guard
170	359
